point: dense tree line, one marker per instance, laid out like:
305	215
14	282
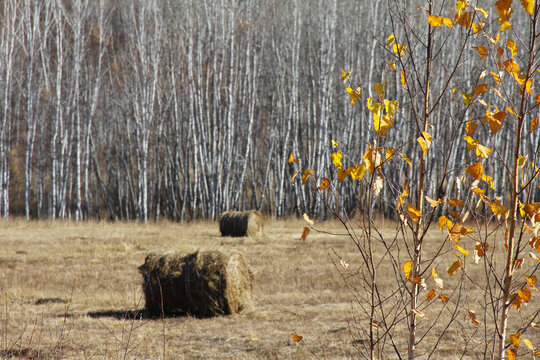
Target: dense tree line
182	109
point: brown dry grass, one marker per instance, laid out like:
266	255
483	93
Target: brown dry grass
72	290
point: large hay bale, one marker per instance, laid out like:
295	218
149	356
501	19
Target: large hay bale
204	283
241	223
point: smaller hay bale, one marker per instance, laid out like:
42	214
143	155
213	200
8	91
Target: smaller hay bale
203	283
241	223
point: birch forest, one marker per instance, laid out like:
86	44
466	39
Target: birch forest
181	109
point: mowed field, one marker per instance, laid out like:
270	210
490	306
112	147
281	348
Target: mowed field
73	291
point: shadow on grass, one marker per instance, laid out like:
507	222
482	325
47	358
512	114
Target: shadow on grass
123	314
19	354
141	314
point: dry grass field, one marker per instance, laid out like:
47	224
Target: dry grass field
73	291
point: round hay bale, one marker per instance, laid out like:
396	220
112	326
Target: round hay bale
241	223
203	283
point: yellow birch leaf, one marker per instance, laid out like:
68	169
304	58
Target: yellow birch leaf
514	339
496	77
325	182
335	143
482	76
400	49
305	176
420	282
305	234
481	249
534	124
488	180
435	20
464	19
483	151
406	159
494	40
531	280
403	79
392	65
482	51
471	143
383	124
520	79
418	313
430	295
482	11
449	23
537	99
526	210
522	160
528	86
478	27
478	191
472	315
389	152
357	172
444	298
511	66
511	354
478	252
516	301
462	250
308	220
404	194
354	94
505	26
375	325
292	159
455	202
511	45
293	176
372	159
528	5
460	5
424	141
470	127
391	107
475	170
407	269
434	203
379	89
497	208
345	75
443	220
495	120
296	338
511	111
467	97
480	89
377	185
454	267
342	174
414	213
336	159
423	145
498	94
439	282
390	40
528	344
525	295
